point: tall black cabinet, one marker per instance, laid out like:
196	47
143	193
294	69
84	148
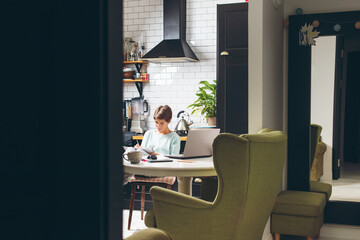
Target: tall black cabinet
232	67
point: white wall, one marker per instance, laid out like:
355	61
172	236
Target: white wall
265	65
265	70
174	84
322	94
272	66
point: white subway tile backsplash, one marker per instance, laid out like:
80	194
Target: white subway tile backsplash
155	39
174	84
133	28
155	14
150	8
131	3
128	10
155	26
144	2
139	22
159	32
138	9
144	15
144	27
155	2
200	11
132	16
150	21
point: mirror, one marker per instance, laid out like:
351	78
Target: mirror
346	187
300	108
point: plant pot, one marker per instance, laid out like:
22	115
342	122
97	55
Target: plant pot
211	121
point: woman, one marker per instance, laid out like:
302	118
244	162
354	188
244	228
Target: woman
162	140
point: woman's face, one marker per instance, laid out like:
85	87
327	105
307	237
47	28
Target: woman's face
161	125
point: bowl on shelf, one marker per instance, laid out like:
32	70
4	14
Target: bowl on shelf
128	74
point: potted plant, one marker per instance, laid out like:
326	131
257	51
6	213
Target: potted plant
205	104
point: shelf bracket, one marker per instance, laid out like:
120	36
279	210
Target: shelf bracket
139	86
138	66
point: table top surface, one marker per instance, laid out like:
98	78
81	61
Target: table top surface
193	167
140	137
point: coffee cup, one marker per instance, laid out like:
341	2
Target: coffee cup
133	157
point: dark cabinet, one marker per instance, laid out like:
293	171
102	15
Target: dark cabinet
232	68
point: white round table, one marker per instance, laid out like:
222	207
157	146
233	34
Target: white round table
184	170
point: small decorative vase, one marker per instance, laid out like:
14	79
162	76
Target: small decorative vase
211	121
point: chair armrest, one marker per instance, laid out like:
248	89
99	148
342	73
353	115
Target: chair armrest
179	199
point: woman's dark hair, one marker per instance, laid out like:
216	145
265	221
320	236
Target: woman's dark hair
163	112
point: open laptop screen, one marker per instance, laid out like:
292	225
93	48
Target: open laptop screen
199	142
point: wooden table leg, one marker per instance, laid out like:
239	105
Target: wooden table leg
185	185
277	236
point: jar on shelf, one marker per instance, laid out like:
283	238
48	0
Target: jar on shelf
127	48
134	51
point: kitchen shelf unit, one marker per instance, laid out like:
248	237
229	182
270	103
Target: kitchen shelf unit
138	82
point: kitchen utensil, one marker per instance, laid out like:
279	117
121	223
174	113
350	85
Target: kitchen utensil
139	107
182	127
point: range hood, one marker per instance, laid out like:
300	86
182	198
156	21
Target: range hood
174	47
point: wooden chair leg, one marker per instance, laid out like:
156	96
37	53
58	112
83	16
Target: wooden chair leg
142	201
277	236
310	238
318	236
131	206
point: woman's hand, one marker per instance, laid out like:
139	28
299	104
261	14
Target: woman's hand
137	146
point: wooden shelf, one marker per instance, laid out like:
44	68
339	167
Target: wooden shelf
138	82
135	80
133	62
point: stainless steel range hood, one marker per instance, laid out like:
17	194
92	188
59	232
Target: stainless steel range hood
174	47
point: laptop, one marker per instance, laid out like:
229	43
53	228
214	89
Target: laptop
198	144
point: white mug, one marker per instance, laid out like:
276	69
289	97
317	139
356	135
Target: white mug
133	157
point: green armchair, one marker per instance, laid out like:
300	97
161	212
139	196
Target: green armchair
315	186
249	169
150	234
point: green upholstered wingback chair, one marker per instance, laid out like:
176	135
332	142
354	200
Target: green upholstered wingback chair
150	234
315	186
249	169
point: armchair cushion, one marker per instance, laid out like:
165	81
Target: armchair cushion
321	187
297	203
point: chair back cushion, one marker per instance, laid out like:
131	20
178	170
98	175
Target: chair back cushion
249	169
314	139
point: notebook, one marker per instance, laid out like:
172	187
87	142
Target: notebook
199	143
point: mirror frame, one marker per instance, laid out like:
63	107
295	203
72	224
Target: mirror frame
299	108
